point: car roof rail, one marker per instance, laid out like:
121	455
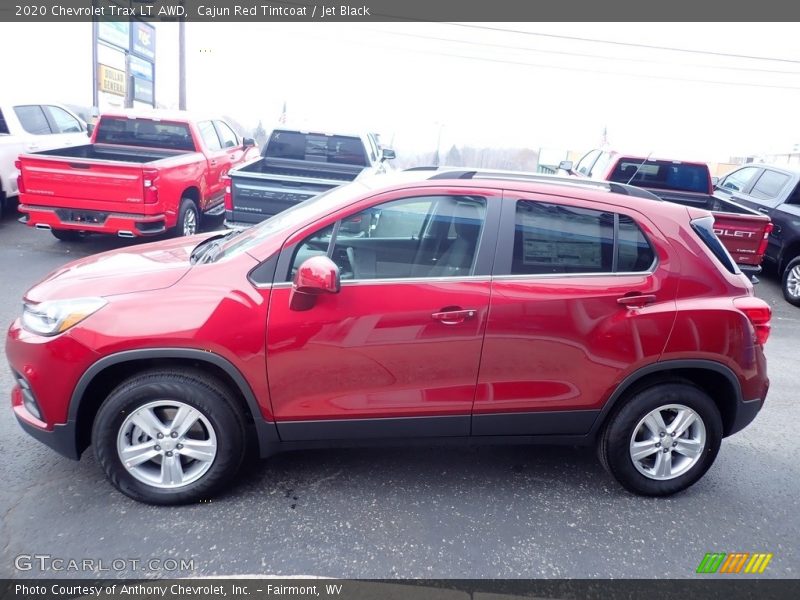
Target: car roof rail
611	186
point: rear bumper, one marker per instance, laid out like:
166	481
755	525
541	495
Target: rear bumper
92	221
749	269
238	224
746	412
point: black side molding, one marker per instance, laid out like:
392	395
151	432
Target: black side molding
266	431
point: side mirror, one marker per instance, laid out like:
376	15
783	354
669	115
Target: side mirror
714	181
388	154
248	142
89	129
316	276
565	165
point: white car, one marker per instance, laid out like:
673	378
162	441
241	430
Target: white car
26	127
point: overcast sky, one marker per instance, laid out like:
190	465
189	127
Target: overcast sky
488	84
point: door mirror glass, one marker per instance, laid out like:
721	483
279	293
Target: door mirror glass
248	142
565	165
317	275
388	154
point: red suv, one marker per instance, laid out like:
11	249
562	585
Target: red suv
480	306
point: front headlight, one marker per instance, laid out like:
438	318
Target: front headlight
55	316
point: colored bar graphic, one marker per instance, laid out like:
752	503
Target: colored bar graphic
720	562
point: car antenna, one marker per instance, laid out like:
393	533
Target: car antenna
636	172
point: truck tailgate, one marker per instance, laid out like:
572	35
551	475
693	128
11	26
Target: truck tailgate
257	198
742	235
80	179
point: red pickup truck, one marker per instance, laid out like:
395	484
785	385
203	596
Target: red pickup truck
744	232
141	175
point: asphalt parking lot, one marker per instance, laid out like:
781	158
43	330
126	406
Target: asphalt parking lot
406	512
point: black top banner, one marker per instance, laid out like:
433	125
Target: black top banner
398	10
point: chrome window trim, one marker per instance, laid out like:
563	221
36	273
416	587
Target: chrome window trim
573	275
467	278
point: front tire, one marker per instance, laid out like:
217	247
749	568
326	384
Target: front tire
662	440
790	282
188	218
169	437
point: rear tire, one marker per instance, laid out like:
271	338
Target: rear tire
790	282
134	442
68	235
649	426
188	218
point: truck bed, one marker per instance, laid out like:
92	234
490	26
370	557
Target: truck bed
285	168
111	152
704	201
739	228
268	186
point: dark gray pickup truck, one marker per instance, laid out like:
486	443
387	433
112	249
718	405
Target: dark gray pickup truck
296	165
775	192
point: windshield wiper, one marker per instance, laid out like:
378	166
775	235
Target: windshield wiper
207	250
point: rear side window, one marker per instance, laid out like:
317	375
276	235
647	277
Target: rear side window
769	185
64	122
226	134
585	165
554	239
316	147
149	133
209	135
32	119
738	180
3	124
634	253
704	228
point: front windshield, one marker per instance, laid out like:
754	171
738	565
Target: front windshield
318	206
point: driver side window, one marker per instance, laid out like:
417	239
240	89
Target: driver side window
431	236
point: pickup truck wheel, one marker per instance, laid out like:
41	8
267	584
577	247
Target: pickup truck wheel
790	282
68	235
169	438
662	440
188	218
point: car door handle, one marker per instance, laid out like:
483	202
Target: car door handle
763	210
213	163
454	316
636	300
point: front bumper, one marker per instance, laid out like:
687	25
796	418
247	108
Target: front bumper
60	438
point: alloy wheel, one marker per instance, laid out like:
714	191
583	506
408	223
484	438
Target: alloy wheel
166	444
667	442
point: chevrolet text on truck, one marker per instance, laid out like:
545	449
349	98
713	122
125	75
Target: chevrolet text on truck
141	175
773	190
296	165
742	230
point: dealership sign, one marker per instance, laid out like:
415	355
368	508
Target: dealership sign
111	80
114	32
143	40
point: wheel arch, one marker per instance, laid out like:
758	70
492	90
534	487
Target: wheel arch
788	254
104	375
193	194
715	379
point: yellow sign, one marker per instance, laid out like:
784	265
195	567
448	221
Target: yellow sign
111	80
